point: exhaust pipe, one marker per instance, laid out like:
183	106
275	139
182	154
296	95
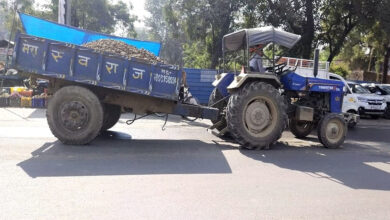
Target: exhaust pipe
316	60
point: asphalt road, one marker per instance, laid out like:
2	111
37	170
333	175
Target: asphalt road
142	172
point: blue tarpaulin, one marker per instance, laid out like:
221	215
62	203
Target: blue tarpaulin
58	32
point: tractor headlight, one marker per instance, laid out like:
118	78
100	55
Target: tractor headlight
362	99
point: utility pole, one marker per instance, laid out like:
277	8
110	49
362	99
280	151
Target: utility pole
64	11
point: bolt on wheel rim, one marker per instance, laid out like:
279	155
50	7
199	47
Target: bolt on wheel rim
74	115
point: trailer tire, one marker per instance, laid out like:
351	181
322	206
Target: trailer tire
256	115
332	130
75	115
214	98
300	129
111	116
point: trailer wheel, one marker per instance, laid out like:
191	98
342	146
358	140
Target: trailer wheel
332	130
256	115
75	115
214	98
111	116
301	128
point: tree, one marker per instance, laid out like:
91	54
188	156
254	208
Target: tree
297	16
340	17
207	21
7	11
384	22
164	26
98	15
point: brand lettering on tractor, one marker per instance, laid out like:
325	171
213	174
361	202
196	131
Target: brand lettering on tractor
28	48
329	88
111	66
56	55
83	60
138	73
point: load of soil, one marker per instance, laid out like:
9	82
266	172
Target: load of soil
122	49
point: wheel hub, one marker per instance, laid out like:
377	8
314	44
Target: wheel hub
257	116
74	115
333	131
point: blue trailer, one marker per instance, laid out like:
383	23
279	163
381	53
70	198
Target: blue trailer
90	89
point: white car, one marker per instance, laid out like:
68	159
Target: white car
360	100
382	90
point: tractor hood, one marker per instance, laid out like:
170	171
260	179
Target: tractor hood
254	36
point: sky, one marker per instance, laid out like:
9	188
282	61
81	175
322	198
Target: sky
140	11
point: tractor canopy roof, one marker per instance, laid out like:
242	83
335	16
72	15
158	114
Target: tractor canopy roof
246	38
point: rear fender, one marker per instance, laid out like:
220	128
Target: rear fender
222	82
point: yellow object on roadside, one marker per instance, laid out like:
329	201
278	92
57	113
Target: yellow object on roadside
17	89
25	102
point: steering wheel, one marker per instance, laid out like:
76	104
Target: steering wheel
279	67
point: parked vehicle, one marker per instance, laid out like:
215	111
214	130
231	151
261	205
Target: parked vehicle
360	100
382	90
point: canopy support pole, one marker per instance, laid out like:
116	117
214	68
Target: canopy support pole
247	49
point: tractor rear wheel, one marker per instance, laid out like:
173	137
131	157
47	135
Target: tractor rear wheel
256	115
332	130
301	128
111	116
75	115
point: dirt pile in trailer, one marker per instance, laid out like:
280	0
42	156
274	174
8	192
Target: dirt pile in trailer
122	49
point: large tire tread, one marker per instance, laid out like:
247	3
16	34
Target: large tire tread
216	96
71	93
235	105
298	132
321	133
112	113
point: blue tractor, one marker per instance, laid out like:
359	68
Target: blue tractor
256	107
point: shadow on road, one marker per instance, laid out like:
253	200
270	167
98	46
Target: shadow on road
38	113
371	133
114	153
358	166
352	165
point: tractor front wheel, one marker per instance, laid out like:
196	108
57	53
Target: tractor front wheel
332	130
256	115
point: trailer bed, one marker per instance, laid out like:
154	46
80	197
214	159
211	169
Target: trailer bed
70	62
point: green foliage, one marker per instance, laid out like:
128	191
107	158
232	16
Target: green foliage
7	16
324	54
164	26
199	24
98	15
340	69
196	56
